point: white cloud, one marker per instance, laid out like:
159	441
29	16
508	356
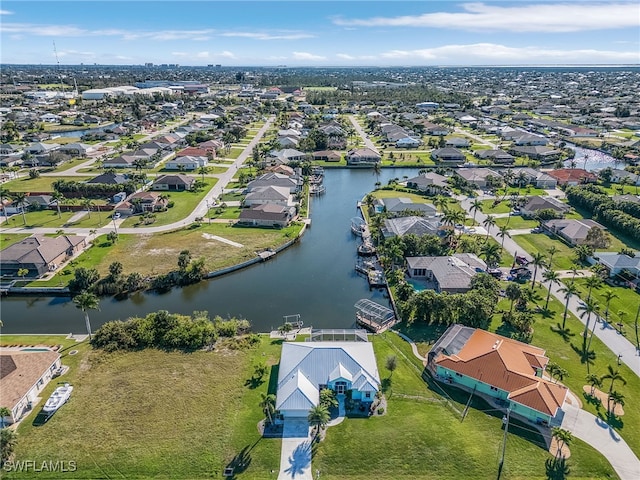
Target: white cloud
268	36
536	17
5	12
345	56
226	54
307	56
202	55
75	53
490	53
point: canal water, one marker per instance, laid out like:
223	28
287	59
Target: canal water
314	278
592	160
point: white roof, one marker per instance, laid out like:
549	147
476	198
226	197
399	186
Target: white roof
319	363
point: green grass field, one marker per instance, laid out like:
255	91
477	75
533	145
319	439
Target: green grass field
422	437
40	184
539	242
156	415
488	207
516	222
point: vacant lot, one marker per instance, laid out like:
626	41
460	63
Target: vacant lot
40	184
154	414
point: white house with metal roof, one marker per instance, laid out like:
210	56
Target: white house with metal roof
308	367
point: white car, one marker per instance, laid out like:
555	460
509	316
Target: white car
116	215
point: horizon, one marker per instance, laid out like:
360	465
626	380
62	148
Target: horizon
314	34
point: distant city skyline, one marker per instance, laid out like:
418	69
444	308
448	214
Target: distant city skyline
320	33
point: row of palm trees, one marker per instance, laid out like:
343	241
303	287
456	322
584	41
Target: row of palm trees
613	396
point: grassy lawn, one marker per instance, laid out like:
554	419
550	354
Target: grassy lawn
40	184
539	242
96	220
395	193
7	239
434	443
162	250
230	213
627	301
62	140
528	191
184	203
502	207
516	222
157	415
234	152
41	218
70	164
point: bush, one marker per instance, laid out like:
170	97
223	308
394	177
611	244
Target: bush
380	410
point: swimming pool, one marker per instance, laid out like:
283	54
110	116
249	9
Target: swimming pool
35	349
417	286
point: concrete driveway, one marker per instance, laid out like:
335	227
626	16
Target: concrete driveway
295	456
594	431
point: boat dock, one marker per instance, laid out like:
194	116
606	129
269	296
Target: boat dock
373	316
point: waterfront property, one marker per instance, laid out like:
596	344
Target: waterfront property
396	206
363	156
23	375
450	274
306	368
504	369
39	254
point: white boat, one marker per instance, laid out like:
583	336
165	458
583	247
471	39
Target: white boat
358	226
316	189
58	398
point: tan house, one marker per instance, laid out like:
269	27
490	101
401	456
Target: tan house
23	376
39	254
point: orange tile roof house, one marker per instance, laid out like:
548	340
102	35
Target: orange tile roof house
572	176
23	375
499	367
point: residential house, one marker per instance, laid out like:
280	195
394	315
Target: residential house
267	215
50	118
123	161
173	182
435	130
626	198
8	149
536	203
186	163
617	262
39	148
572	176
496	156
541	153
288	142
269	194
448	155
457	142
327	156
504	369
145	202
23	376
530	139
534	177
284	156
77	149
308	367
109	178
199	151
294	184
39	254
450	274
617	176
408	142
396	206
363	156
480	177
414	225
430	183
573	231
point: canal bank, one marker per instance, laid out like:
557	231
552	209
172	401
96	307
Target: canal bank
314	277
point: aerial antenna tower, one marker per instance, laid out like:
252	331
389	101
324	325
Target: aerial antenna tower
55	51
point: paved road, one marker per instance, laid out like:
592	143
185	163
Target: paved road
200	210
367	141
594	431
477	138
617	343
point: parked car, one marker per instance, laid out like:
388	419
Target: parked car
536	230
521	260
116	216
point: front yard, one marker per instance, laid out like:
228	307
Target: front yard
41	184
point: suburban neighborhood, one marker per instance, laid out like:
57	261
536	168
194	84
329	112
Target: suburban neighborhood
497	228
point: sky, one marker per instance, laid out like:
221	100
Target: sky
320	33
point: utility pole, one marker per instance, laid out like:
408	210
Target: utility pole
505	421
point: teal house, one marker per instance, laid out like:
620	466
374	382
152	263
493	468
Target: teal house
509	371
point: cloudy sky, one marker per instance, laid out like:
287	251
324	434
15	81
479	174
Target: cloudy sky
321	33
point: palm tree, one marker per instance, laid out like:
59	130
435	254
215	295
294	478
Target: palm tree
608	295
613	375
8	442
595	382
441	203
20	200
58	197
476	206
4	194
491	253
552	251
538	260
615	398
268	405
87	203
575	270
563	437
86	301
587	309
502	233
592	282
489	222
513	292
203	171
318	418
550	276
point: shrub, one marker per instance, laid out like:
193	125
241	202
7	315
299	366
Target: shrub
380	410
